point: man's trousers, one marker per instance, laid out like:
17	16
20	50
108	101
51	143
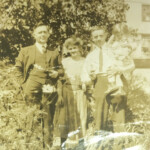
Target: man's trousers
46	102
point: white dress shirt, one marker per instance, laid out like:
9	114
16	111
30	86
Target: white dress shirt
92	63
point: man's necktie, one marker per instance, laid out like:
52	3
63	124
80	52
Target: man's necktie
100	60
44	49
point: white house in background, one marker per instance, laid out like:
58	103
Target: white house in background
138	17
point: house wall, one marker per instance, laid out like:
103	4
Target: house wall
134	16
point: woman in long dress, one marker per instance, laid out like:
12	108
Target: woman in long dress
73	114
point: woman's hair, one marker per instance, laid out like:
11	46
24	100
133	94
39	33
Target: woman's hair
73	41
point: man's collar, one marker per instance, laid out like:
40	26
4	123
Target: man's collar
40	45
97	47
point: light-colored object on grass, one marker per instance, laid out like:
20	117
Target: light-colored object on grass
47	88
137	147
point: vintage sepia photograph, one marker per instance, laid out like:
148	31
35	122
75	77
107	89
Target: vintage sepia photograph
75	74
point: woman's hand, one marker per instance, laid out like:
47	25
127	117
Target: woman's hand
59	101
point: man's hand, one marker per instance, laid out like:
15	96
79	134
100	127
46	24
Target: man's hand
93	75
114	70
53	74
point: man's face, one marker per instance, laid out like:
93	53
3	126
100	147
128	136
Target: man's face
99	37
41	34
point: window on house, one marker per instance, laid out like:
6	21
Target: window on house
146	44
146	13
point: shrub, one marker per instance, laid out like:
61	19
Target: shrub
15	116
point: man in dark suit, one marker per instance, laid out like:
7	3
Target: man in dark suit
36	66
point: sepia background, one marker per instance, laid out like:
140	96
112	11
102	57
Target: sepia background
66	17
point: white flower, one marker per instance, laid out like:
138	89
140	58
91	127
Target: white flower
47	88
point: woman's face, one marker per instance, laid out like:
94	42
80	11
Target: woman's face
74	51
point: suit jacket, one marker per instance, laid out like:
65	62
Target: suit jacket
26	59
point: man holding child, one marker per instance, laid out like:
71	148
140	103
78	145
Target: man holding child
98	67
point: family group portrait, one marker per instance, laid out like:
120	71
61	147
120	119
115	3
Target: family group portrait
74	74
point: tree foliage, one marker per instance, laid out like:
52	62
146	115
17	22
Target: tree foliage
66	17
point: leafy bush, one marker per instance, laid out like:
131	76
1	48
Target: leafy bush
16	116
138	111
